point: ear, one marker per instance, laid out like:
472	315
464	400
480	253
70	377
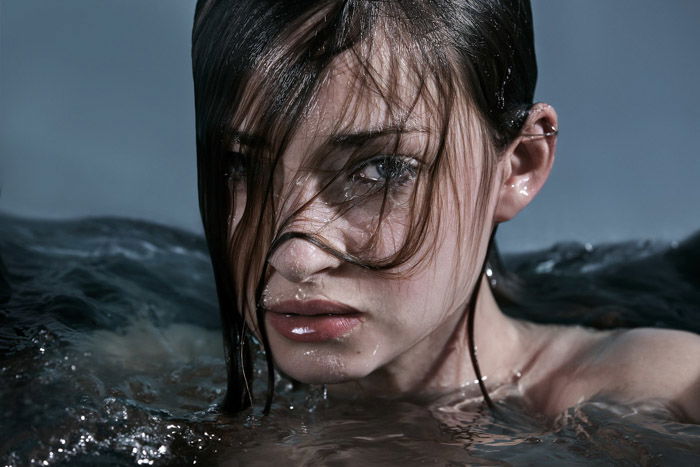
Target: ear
527	161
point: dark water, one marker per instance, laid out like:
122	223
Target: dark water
110	355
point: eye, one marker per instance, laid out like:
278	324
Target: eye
387	168
236	166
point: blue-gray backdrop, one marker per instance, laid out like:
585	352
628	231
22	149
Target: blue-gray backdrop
96	115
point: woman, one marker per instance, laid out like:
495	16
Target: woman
355	158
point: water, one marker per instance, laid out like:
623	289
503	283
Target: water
110	355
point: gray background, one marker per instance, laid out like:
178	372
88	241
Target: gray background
96	115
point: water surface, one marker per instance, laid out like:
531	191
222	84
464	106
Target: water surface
110	354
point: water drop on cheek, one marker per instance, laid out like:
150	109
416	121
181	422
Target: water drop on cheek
347	192
265	298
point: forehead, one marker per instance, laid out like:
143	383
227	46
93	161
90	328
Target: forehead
372	86
376	84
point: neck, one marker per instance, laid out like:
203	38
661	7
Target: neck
440	363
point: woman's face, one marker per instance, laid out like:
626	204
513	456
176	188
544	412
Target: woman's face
330	321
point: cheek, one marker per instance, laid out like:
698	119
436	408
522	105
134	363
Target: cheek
372	238
439	284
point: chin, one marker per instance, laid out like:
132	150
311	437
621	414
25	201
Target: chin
316	367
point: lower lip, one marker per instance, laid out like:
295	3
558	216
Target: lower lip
314	328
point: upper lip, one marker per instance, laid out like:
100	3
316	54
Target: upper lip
312	308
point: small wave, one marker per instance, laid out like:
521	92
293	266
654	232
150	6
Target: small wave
142	345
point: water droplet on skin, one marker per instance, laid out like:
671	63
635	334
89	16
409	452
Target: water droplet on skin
265	298
347	192
521	186
300	295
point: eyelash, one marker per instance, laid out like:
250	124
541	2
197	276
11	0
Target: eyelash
398	170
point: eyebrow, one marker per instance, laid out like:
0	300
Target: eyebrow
361	137
352	139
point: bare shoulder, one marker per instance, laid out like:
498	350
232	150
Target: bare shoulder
646	363
558	376
576	364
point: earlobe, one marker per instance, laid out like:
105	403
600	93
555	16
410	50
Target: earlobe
526	162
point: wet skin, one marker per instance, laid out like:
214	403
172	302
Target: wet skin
369	336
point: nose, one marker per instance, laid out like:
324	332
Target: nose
298	260
314	224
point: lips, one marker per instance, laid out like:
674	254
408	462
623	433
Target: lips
313	320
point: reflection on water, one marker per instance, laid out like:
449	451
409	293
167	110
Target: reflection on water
110	355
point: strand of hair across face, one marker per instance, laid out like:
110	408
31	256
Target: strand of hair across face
470	326
260	315
241	356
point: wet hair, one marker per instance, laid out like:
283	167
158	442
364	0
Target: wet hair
259	67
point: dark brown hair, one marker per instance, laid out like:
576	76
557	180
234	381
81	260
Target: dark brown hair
258	66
